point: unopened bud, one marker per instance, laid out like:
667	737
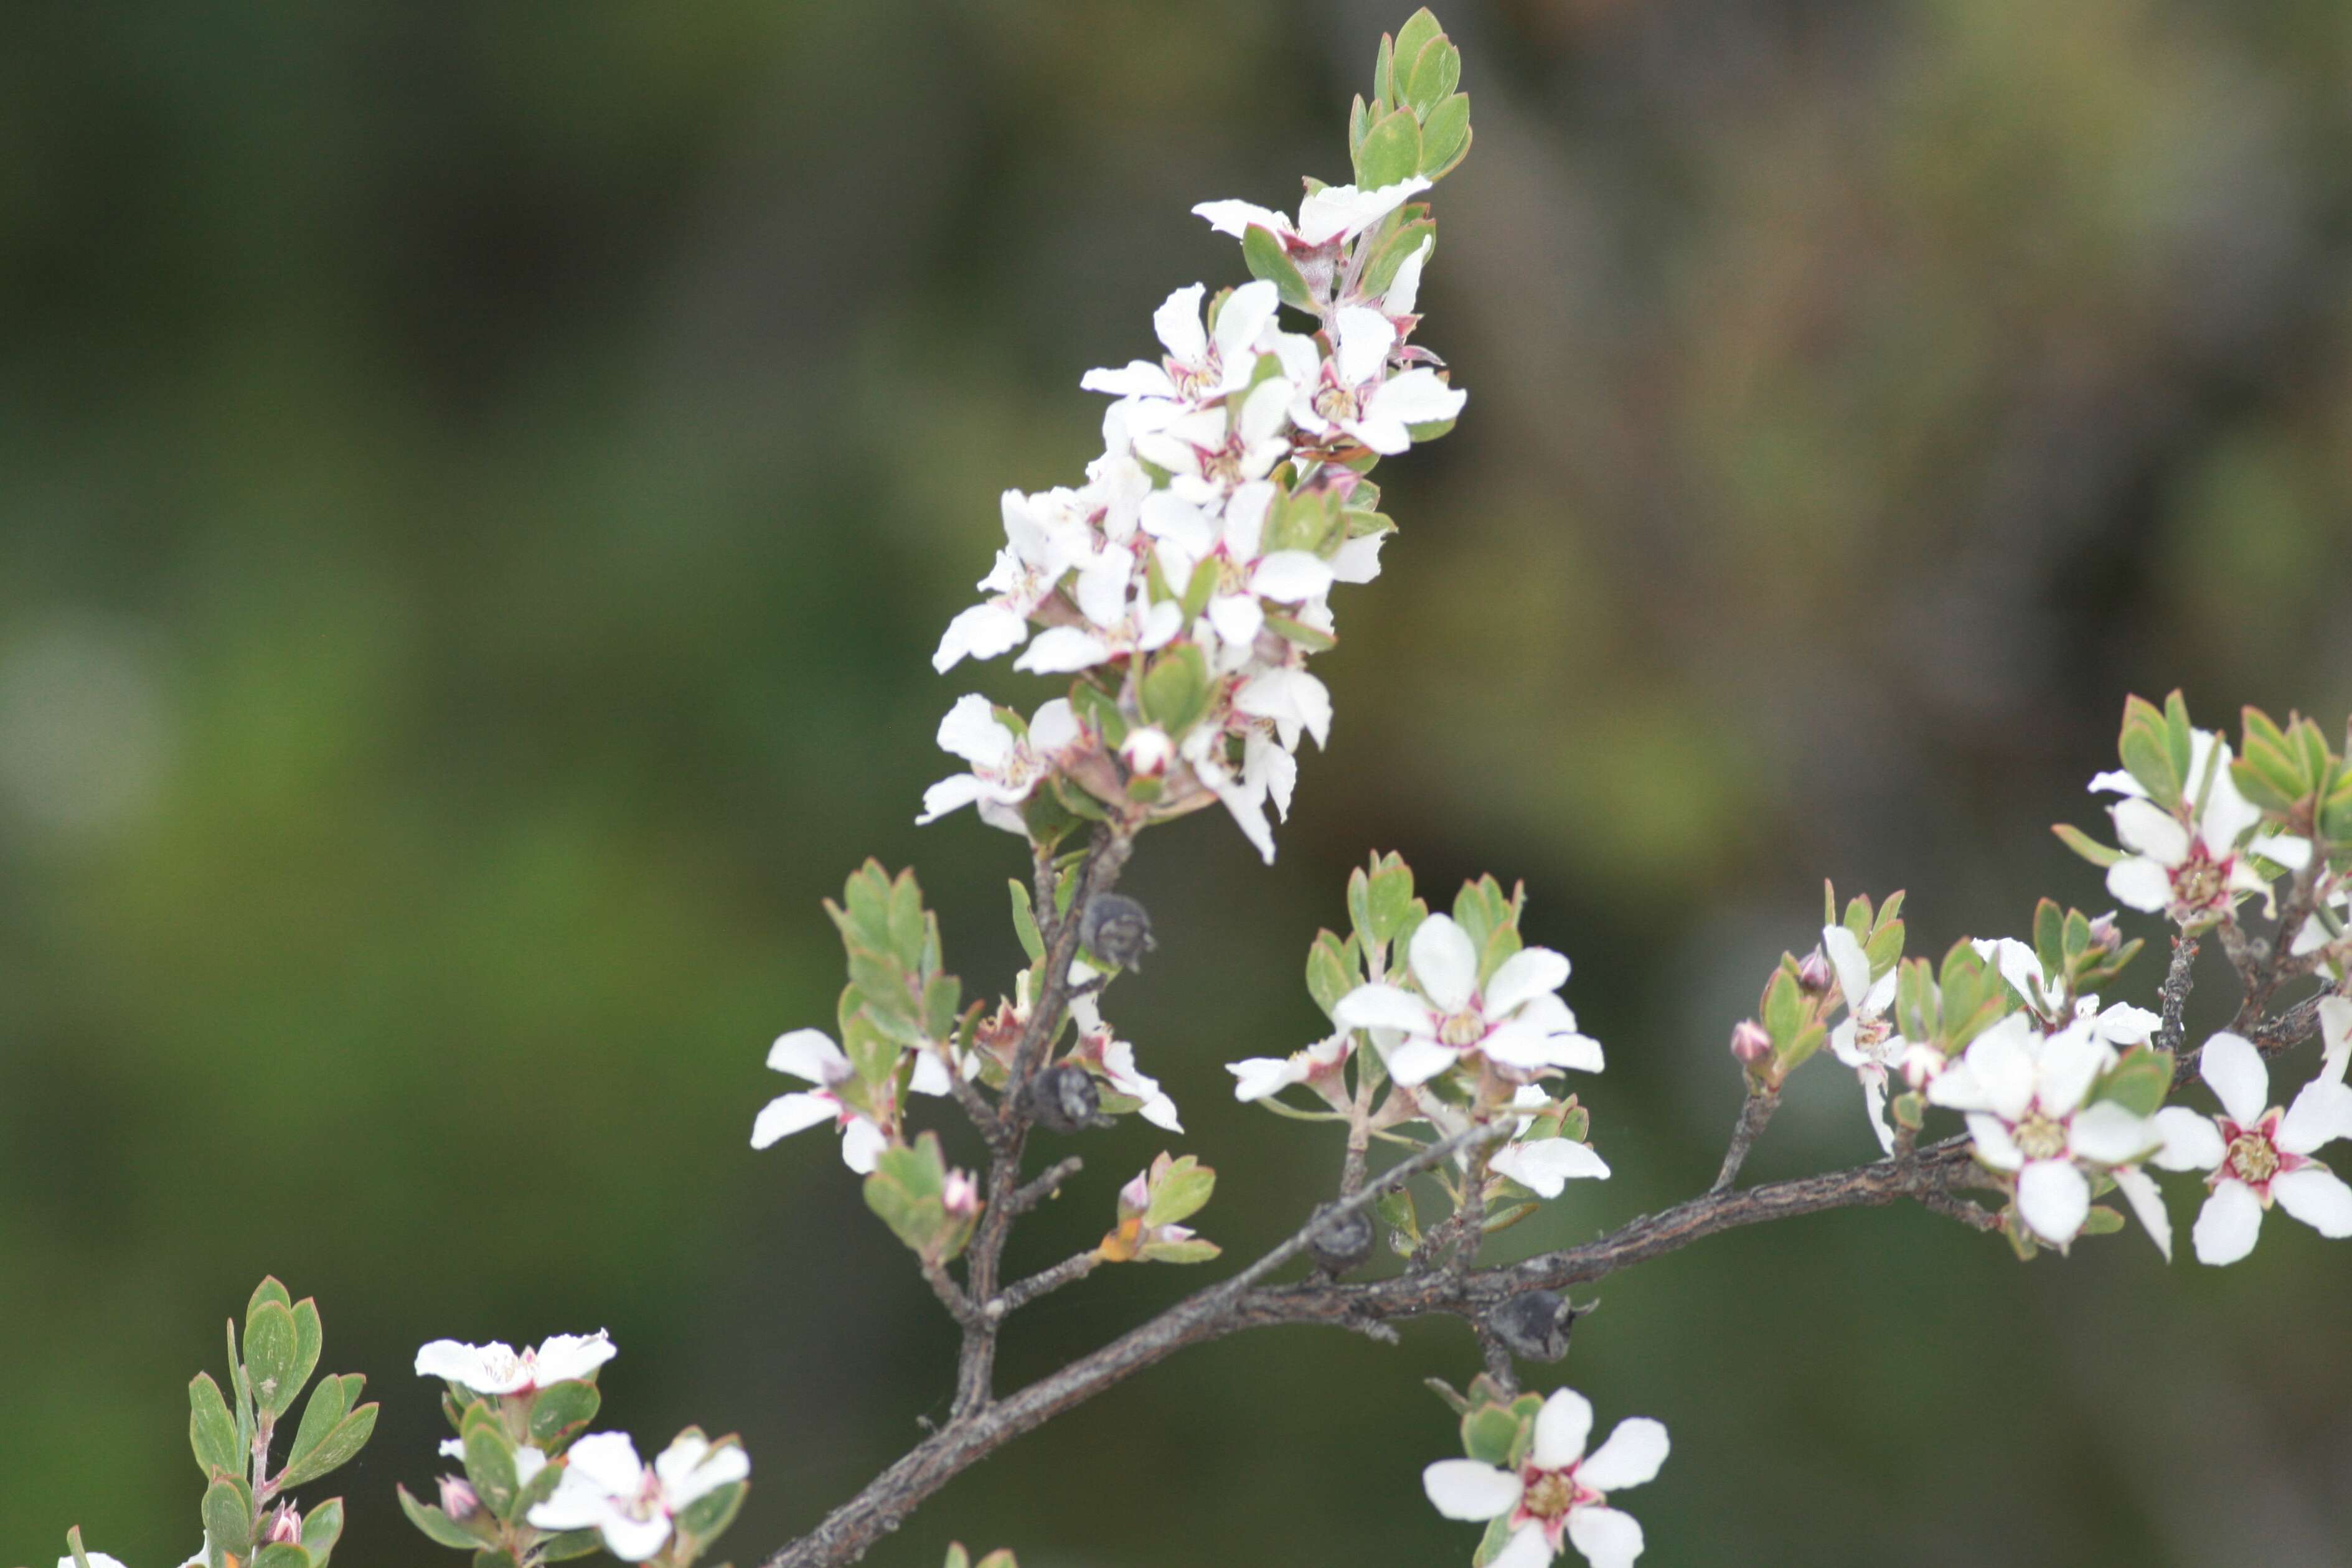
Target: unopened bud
1534	1326
457	1498
1117	930
1147	751
2105	935
285	1526
960	1194
1750	1044
1814	974
1065	1099
1343	1243
1921	1065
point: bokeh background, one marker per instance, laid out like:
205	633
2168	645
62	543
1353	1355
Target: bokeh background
478	488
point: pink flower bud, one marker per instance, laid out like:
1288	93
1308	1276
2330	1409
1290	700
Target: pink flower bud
1921	1065
457	1498
961	1195
285	1526
1749	1042
1147	751
2105	934
1814	974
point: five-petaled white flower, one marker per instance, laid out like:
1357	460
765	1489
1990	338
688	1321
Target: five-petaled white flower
2023	1095
810	1054
1006	766
1201	364
1041	545
1559	1490
606	1487
1865	1040
2254	1152
499	1369
1231	538
1515	1022
1332	214
1353	391
2189	864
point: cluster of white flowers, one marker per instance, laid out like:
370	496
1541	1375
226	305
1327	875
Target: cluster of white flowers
1186	582
1558	1494
2196	860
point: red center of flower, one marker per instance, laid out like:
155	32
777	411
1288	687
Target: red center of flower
1547	1497
2254	1156
2200	882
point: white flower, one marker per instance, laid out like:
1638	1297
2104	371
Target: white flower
1560	1490
1231	533
2254	1152
1545	1166
1202	365
106	1559
499	1369
1042	543
811	1054
2335	1031
1125	1078
1290	697
1138	628
1333	212
1515	1022
1864	1040
607	1488
1355	393
1005	766
2024	1096
1147	751
2188	864
1210	452
1261	1076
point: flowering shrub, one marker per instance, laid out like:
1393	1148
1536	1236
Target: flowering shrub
1175	601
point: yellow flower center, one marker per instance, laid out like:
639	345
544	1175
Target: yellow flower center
2041	1138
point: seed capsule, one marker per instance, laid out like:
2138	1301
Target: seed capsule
1065	1099
1342	1244
1117	930
1534	1327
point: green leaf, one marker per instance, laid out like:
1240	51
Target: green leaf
1802	1049
337	1449
570	1544
269	1289
1784	1008
228	1512
272	1351
1445	137
74	1547
321	1528
1491	1545
212	1430
2102	1220
1391	151
1395	1209
1025	922
243	1388
2083	844
1176	688
2139	1081
1332	971
308	1337
330	1402
1182	1193
1384	72
1192	1251
958	1557
560	1409
2148	759
491	1467
706	1518
1419	29
281	1554
1264	254
1489	1433
1435	73
2050	940
439	1528
1000	1558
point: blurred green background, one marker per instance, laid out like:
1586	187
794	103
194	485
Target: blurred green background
479	486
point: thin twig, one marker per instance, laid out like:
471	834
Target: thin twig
1763	1098
1021	1292
1037	1189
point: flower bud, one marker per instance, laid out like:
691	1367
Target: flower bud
1343	1243
1064	1099
457	1498
2105	935
1534	1326
1921	1065
285	1526
1813	973
1117	930
1750	1044
960	1196
1147	751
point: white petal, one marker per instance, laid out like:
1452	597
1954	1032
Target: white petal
950	794
2053	1199
2149	830
1386	436
930	1076
2140	1190
1136	379
983	631
2139	883
565	1357
2191	1141
1545	1166
2107	1133
2281	849
2336	1029
608	1460
1873	1100
1631	1456
2233	1070
1465	1489
1053	727
1852	964
1995	1074
2228	1225
808	1053
2118	782
1384	1007
1994	1146
1177	324
1529	973
1445	963
1404	288
1609	1537
2227	814
1336	212
1365	338
862	1144
1291	576
2069	1061
2314	1196
790	1114
1359	561
1416	397
1561	1426
1062	651
1527	1548
454	1361
2321	1114
1418	1060
634	1539
1260	1076
1239	321
1236	218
